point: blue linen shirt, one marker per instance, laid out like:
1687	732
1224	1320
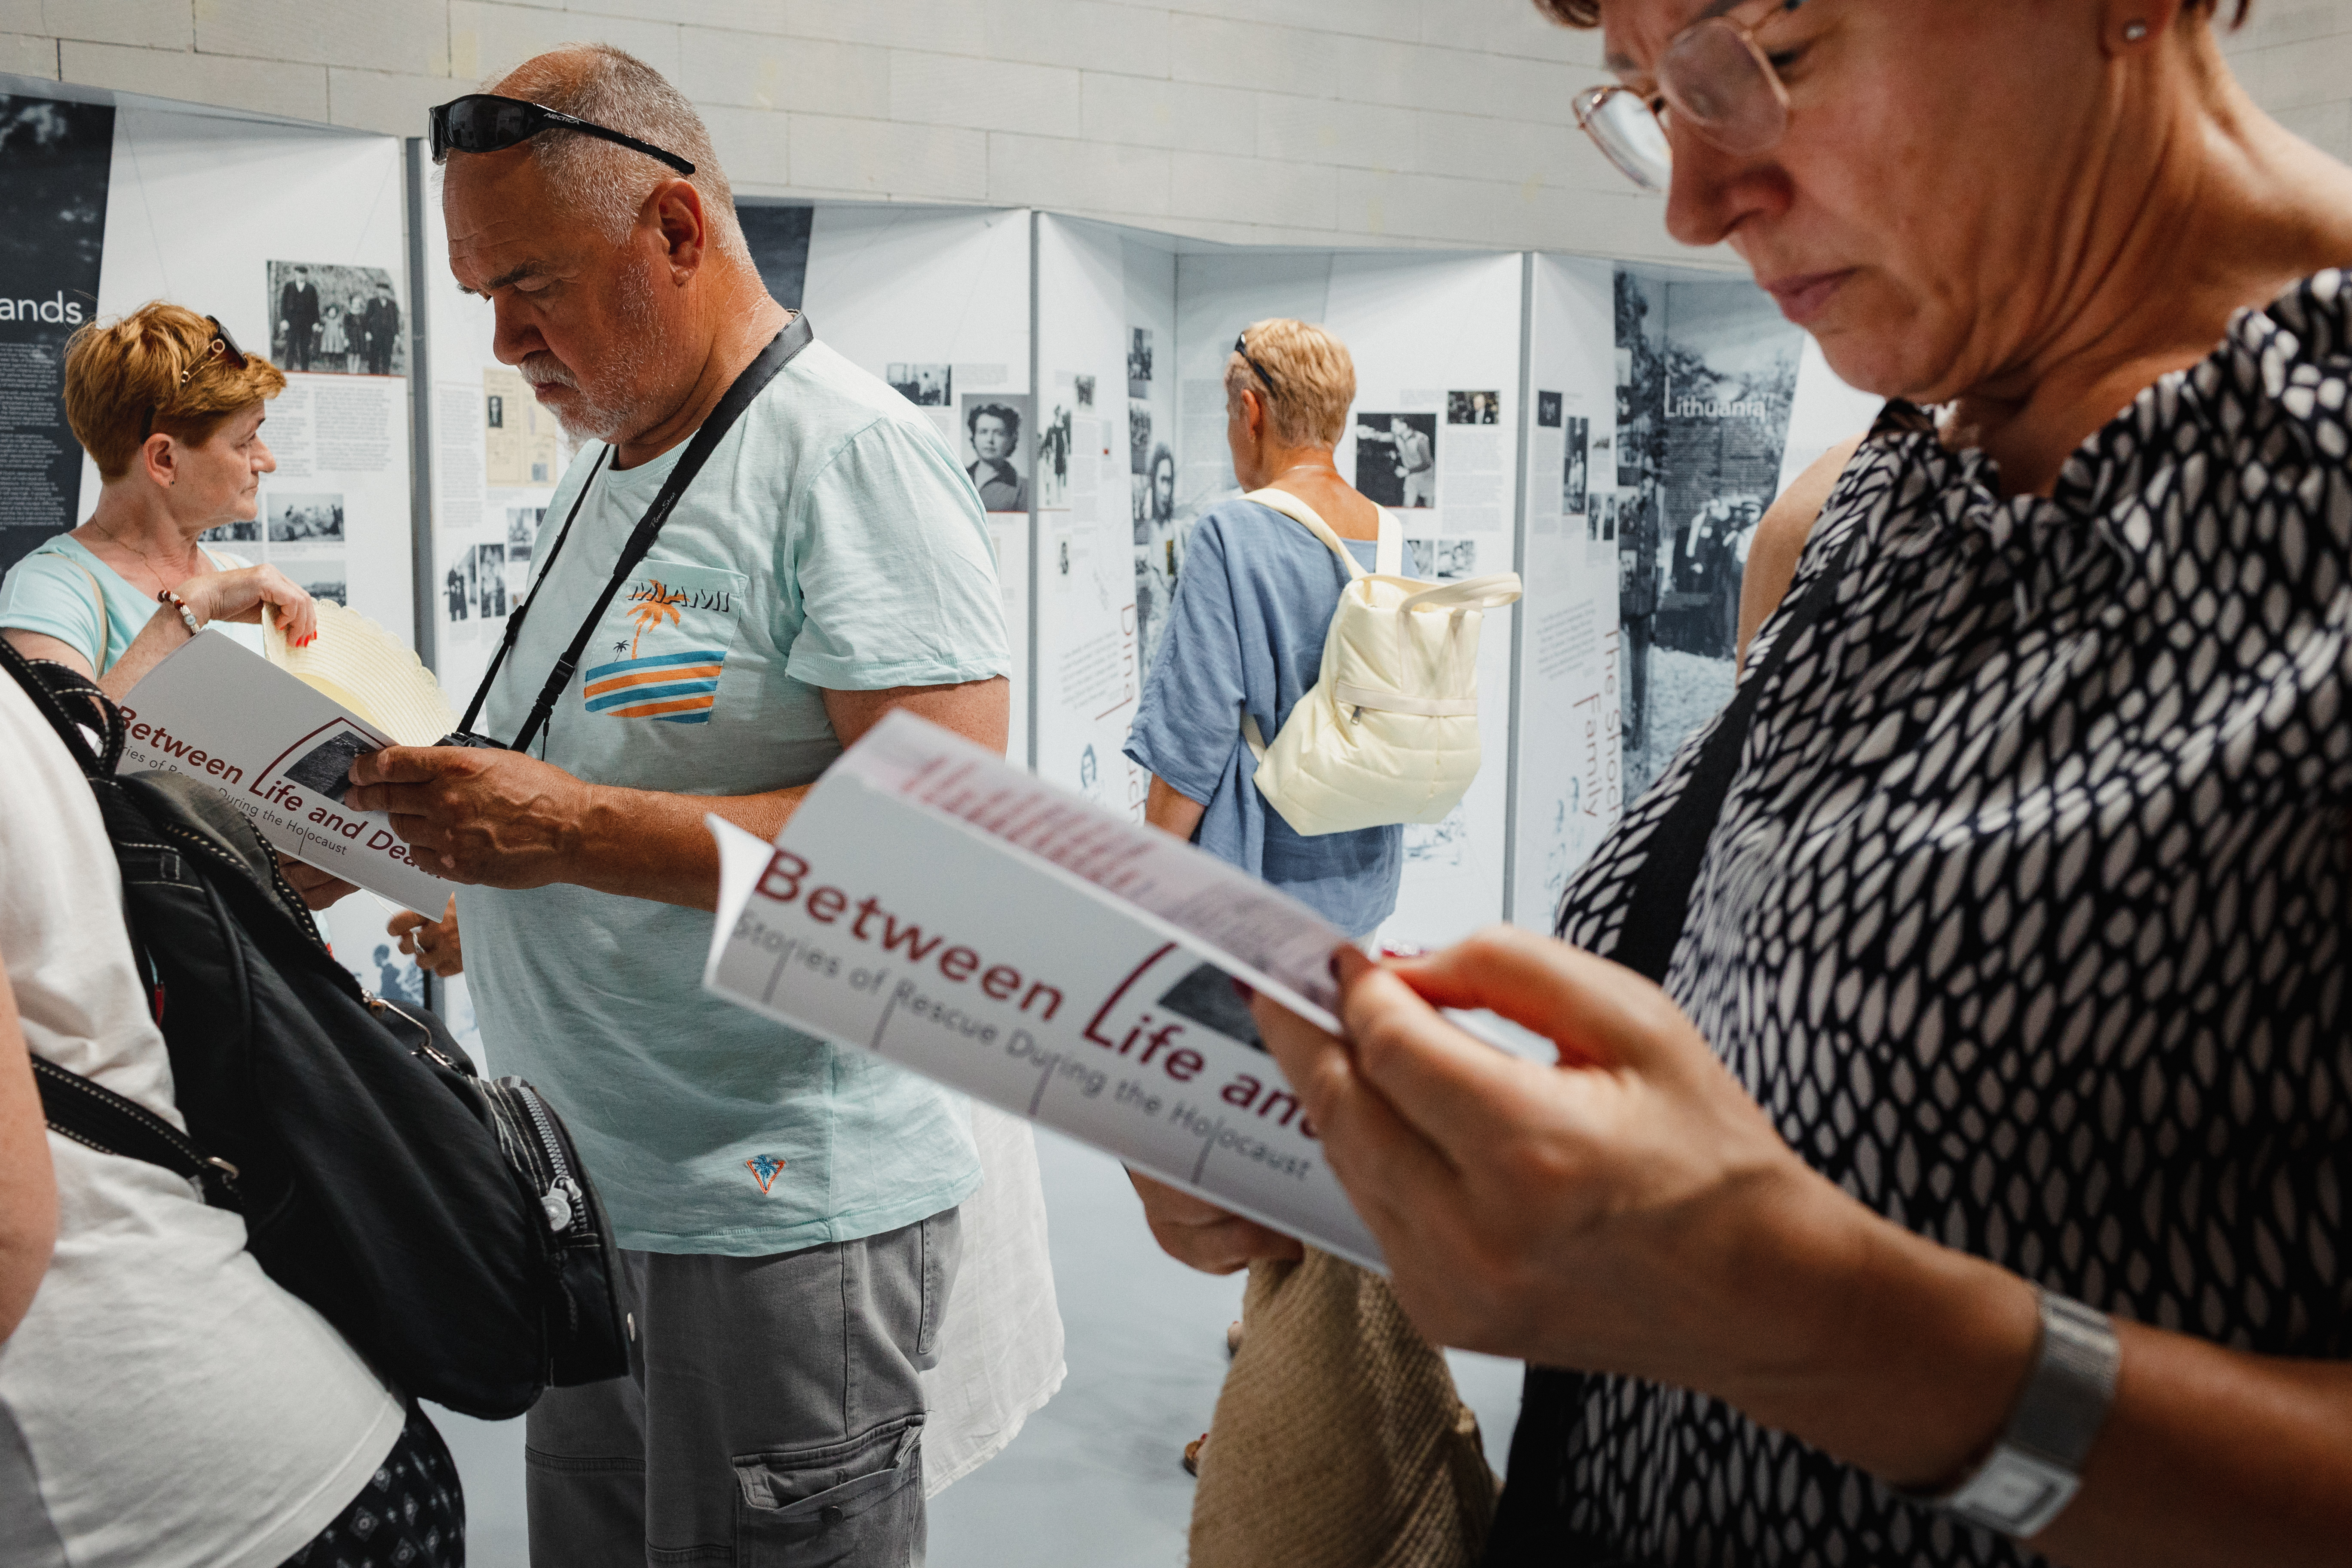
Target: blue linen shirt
1245	630
831	542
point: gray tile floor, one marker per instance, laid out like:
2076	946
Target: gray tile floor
1095	1480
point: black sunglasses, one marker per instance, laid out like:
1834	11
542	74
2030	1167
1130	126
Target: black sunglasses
1241	347
221	346
484	122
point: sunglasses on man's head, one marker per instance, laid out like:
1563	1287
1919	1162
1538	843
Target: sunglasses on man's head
485	122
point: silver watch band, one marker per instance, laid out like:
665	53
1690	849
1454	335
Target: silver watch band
2036	1469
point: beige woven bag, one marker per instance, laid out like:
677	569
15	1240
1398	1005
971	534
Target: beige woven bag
1339	1441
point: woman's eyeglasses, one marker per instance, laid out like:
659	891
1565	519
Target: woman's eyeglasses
485	122
1241	347
1713	78
220	347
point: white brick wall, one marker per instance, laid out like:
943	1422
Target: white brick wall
1292	121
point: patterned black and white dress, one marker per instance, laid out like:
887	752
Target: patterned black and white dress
2025	918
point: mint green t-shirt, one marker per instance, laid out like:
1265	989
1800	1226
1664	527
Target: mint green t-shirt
50	592
830	541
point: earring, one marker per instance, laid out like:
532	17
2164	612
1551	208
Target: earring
2135	31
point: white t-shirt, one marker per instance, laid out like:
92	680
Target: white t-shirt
164	1403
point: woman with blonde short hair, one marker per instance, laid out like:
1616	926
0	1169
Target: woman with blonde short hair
171	410
1332	1395
1245	630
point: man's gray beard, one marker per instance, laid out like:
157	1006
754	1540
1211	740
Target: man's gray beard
637	334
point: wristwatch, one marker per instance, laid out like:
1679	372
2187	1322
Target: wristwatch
2036	1469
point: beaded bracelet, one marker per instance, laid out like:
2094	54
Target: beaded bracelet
187	616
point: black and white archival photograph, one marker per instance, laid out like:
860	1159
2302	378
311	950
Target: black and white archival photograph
996	426
1084	385
486	581
299	519
1575	469
1474	408
320	577
1396	459
1138	435
1138	362
924	385
1159	548
243	530
326	768
1054	461
522	536
1454	558
345	321
1547	405
1440	559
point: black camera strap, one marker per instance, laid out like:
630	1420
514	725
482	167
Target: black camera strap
780	352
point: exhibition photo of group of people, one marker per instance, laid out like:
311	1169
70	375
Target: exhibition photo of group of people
1913	1127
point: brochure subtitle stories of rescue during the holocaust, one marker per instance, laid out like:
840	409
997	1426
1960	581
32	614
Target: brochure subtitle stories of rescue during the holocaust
933	903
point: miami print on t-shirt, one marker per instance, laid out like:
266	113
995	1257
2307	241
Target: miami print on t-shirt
665	639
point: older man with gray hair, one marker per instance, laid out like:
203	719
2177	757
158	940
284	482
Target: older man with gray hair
789	1210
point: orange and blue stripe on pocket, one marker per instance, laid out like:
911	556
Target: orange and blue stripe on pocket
677	688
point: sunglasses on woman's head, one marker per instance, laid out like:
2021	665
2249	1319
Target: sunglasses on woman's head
1241	347
220	346
485	122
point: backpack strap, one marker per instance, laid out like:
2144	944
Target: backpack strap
1388	560
1306	516
95	1117
97	598
53	689
1488	592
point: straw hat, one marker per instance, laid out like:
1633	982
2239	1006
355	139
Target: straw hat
357	663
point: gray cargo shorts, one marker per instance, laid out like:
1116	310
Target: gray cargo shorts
771	1412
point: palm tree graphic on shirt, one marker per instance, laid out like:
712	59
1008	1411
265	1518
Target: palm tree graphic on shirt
657	605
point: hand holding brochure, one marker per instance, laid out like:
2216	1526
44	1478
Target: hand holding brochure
281	748
931	902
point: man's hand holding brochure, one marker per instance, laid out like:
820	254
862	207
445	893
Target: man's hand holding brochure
277	736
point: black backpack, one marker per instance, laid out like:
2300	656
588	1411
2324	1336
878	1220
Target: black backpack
442	1222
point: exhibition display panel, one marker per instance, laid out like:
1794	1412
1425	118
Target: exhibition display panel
1568	783
1105	474
936	301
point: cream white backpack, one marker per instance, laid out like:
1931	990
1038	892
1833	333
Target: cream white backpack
1389	731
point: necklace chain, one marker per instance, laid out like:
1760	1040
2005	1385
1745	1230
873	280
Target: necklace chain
118	541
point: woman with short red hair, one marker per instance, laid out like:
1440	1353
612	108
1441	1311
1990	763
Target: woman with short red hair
171	411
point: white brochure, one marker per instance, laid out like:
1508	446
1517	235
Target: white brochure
282	751
932	903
